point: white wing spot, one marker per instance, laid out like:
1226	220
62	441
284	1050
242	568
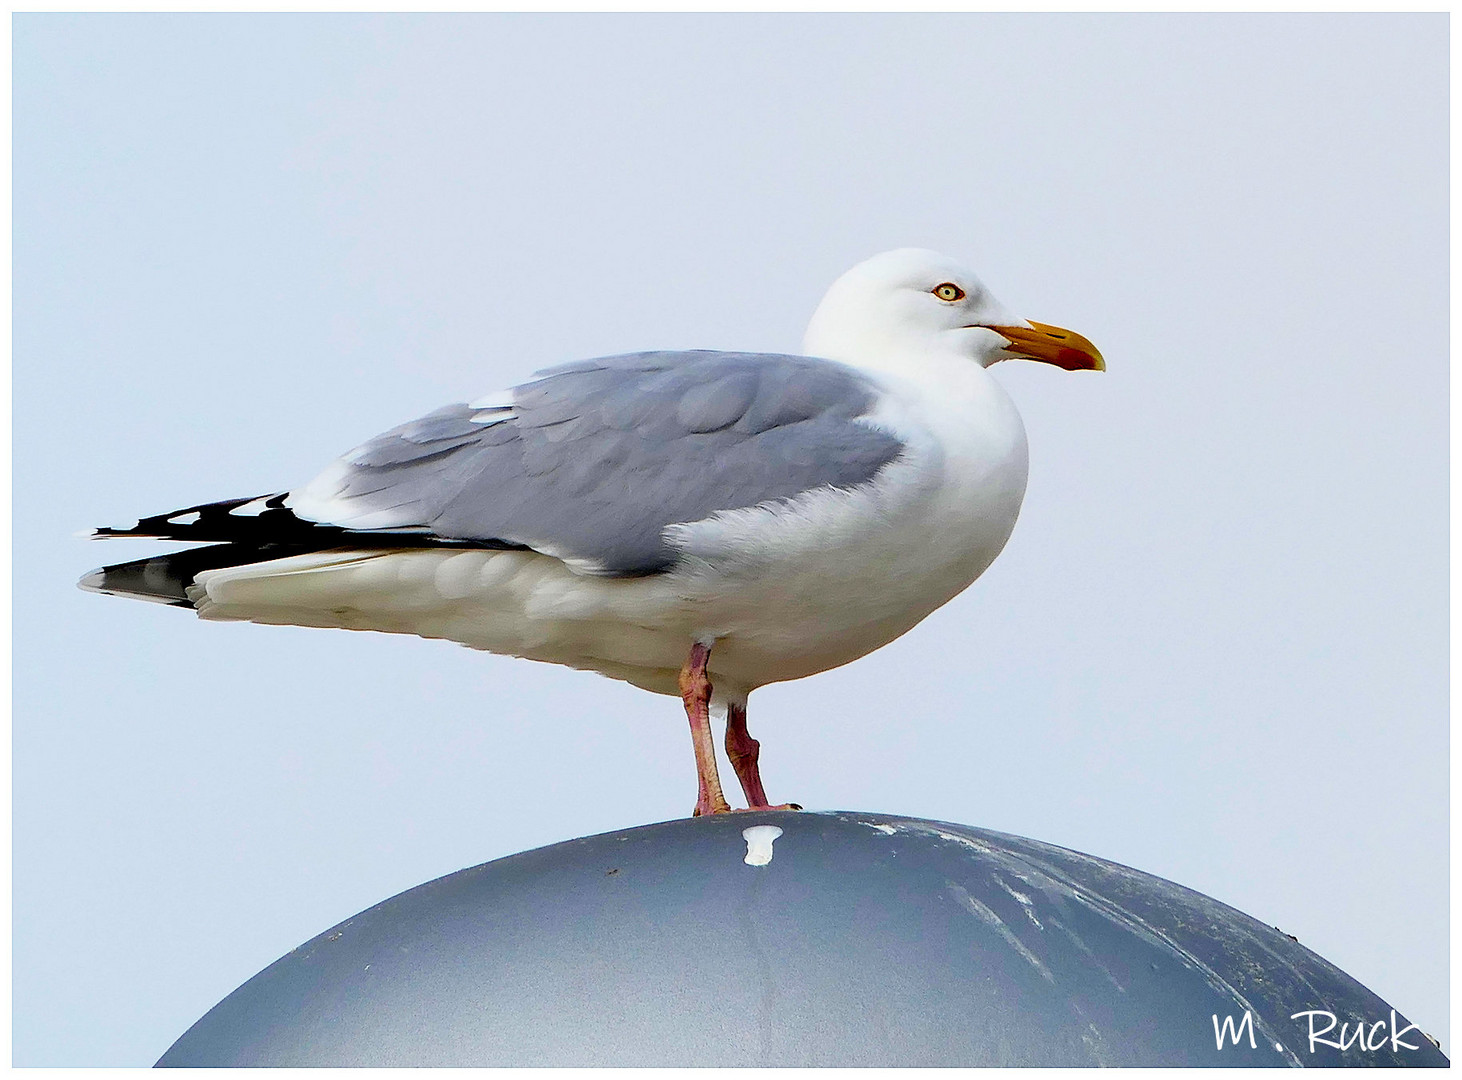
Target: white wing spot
185	519
759	840
498	399
251	509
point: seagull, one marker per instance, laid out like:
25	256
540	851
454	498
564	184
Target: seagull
695	523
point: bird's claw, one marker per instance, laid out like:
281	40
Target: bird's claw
725	809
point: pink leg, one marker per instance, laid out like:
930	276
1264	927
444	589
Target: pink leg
745	755
695	691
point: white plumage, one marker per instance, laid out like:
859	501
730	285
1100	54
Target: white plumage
776	589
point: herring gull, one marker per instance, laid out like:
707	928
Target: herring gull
695	523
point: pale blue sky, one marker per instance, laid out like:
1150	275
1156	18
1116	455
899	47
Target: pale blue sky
1215	648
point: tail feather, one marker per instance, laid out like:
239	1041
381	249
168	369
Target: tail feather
240	532
164	579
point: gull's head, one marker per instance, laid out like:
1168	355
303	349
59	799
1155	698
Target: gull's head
913	302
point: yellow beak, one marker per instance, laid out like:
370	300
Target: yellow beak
1052	345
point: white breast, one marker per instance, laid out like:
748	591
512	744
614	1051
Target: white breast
820	580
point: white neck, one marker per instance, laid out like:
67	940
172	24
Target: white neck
892	354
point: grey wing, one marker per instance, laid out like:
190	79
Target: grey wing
591	461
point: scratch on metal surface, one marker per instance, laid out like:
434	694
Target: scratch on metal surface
1025	902
1092	958
1055	887
1134	923
964	841
988	916
1058	888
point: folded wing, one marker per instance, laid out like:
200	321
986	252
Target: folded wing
592	461
588	463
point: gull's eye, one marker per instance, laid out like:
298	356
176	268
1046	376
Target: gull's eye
949	291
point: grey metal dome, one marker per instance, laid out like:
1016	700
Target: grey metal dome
848	939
